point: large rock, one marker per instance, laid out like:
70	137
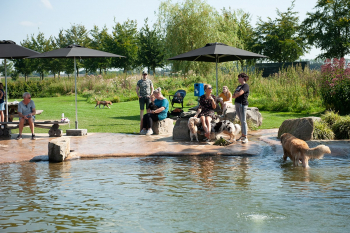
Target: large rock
181	131
165	126
302	128
59	149
252	113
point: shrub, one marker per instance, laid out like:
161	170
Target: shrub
115	99
341	128
322	131
335	85
330	117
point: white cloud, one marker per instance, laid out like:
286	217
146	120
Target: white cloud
47	4
27	24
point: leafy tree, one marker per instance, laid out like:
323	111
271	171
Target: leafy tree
9	68
187	26
98	42
329	28
124	42
41	45
280	39
61	41
79	35
24	66
151	51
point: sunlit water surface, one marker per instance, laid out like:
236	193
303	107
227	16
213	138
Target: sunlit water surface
176	194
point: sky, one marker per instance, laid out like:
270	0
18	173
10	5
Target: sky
22	18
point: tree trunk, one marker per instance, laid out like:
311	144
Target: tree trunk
26	77
154	71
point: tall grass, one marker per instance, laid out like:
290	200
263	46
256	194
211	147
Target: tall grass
291	89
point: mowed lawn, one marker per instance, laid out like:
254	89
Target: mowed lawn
120	118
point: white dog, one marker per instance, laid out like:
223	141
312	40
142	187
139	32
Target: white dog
192	125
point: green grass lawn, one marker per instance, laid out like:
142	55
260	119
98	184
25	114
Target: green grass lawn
122	117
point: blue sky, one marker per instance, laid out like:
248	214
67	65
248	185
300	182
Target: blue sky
20	18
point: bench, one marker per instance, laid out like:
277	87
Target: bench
53	126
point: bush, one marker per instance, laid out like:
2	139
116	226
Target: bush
330	117
322	131
341	128
335	85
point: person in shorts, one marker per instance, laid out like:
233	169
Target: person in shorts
2	102
144	88
26	113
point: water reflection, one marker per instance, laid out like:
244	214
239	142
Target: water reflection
175	194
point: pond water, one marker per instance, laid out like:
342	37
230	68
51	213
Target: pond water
176	194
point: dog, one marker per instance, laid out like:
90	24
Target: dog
103	102
298	150
192	125
226	127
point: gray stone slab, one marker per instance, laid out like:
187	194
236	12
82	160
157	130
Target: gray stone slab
76	132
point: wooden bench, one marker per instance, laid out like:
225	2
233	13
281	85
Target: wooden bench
53	126
14	115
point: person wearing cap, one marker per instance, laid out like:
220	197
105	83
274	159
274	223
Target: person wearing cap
144	88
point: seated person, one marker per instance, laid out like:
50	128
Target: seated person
26	113
151	106
155	115
207	104
225	99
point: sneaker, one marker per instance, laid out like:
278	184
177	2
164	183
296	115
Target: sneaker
19	137
149	132
33	137
143	131
239	139
244	140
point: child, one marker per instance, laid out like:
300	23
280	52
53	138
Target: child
152	106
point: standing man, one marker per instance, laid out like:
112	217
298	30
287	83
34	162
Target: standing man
144	88
26	113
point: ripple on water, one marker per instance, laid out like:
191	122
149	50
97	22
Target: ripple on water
176	194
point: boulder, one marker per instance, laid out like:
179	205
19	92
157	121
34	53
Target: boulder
252	113
165	126
59	149
188	114
302	128
181	131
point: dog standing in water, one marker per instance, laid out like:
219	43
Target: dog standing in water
103	102
298	150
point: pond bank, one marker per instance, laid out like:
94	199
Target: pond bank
96	145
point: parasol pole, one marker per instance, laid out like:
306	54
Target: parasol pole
7	108
76	105
217	87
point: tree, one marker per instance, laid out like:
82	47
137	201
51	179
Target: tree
24	66
9	68
124	42
329	28
41	45
79	35
61	41
185	27
98	42
280	39
151	51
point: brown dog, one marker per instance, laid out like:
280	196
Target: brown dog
298	150
103	102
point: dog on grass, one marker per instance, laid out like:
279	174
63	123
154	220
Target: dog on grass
298	150
192	125
102	102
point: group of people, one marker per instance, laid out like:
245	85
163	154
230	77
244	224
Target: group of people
157	105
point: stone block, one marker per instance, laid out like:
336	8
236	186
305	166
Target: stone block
181	131
59	149
302	128
76	132
165	126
